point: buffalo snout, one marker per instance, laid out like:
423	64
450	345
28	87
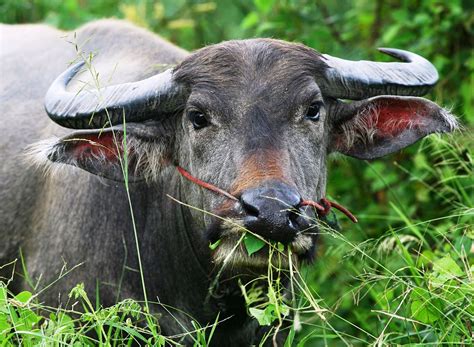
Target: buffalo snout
274	211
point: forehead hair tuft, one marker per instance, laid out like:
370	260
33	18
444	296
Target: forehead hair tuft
222	64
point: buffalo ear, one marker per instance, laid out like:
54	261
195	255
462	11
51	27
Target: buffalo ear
385	124
135	152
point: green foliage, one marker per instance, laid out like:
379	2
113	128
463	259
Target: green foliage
253	244
404	274
265	296
24	322
406	278
67	14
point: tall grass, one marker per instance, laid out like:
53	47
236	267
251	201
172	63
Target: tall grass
414	283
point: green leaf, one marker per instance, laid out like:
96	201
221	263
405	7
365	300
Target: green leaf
4	325
3	299
390	33
290	338
444	270
214	245
23	296
262	316
447	266
28	317
66	322
424	307
280	247
253	244
463	244
284	309
264	5
250	20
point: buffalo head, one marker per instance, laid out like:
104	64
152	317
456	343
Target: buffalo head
256	118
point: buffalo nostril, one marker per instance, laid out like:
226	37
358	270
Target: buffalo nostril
249	208
293	218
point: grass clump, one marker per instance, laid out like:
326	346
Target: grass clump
407	279
25	322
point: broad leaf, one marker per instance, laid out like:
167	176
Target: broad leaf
447	266
424	307
253	244
262	316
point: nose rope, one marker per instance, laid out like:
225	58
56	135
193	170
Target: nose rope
203	184
322	210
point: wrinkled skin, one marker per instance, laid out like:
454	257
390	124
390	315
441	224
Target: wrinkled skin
255	95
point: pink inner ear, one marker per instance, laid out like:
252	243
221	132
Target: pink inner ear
391	116
93	145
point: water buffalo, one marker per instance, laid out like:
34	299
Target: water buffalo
256	118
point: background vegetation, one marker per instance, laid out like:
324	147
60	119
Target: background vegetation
404	274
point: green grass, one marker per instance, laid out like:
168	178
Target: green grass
412	283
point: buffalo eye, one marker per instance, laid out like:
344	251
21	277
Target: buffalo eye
198	119
313	112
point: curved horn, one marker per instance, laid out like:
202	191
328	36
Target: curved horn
88	109
357	80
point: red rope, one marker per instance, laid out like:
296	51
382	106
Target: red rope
314	204
205	184
322	210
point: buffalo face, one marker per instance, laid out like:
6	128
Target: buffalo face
256	118
262	136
